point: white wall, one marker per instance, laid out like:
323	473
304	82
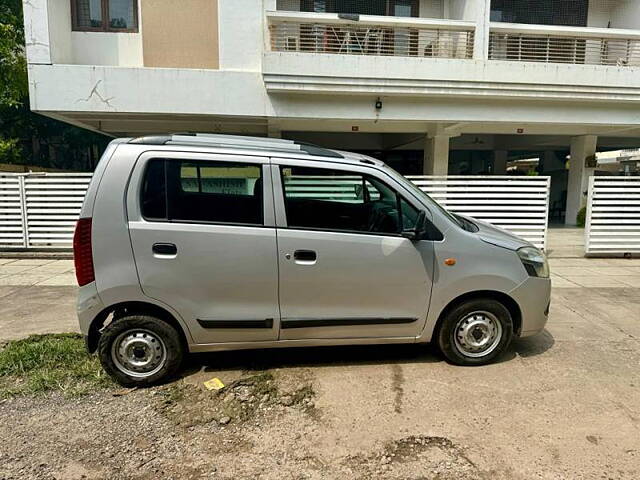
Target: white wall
105	48
36	32
431	8
626	14
464	9
241	26
89	48
599	13
85	88
60	31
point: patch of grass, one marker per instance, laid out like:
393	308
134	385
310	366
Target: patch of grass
45	363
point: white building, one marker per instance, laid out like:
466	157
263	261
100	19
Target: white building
471	83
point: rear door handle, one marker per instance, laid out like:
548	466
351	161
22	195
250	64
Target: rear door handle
164	249
305	256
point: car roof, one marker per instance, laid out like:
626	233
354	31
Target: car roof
258	146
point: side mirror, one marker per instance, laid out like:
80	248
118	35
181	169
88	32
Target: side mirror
423	230
418	231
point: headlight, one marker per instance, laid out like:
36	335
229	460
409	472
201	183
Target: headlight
534	261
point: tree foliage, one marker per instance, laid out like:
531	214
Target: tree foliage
13	65
25	137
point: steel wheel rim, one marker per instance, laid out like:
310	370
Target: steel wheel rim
477	334
139	353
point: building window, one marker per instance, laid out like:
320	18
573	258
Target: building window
104	15
571	13
397	8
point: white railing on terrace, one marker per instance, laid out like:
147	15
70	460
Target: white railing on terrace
39	211
613	216
370	35
558	44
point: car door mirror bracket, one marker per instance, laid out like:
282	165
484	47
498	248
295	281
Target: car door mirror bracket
422	230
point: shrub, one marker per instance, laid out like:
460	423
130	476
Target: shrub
581	217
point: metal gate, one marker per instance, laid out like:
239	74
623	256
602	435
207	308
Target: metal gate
517	204
39	210
613	216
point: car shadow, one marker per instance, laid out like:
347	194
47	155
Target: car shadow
336	356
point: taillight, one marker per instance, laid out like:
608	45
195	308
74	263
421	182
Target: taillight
82	256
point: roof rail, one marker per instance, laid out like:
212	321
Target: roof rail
233	141
236	141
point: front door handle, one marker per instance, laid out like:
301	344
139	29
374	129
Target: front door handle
164	249
305	256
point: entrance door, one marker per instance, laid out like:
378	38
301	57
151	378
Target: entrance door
345	270
204	242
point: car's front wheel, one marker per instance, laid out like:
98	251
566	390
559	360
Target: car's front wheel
475	332
140	350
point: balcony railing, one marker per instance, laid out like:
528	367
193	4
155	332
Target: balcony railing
370	35
574	45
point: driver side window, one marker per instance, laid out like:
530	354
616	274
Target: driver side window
337	200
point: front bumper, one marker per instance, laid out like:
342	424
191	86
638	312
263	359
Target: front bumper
534	297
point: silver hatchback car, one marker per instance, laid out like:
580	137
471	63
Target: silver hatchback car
198	243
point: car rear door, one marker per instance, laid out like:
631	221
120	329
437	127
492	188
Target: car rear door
345	270
204	240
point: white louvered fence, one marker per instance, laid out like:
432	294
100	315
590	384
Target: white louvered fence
39	211
517	204
613	216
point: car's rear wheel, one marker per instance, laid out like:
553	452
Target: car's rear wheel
140	350
475	332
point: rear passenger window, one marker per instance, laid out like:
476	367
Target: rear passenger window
216	192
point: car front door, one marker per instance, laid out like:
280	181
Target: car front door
204	240
345	270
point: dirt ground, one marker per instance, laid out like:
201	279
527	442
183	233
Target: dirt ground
562	405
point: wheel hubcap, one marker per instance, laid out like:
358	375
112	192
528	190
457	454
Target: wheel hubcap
478	334
139	353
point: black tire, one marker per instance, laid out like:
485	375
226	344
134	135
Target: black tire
153	332
454	351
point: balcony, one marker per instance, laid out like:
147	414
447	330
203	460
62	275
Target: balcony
327	33
568	45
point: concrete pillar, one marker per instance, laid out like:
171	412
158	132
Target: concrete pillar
436	155
481	36
500	162
581	148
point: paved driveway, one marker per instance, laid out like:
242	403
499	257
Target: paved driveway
36	296
564	404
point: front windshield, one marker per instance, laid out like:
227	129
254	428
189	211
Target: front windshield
420	194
